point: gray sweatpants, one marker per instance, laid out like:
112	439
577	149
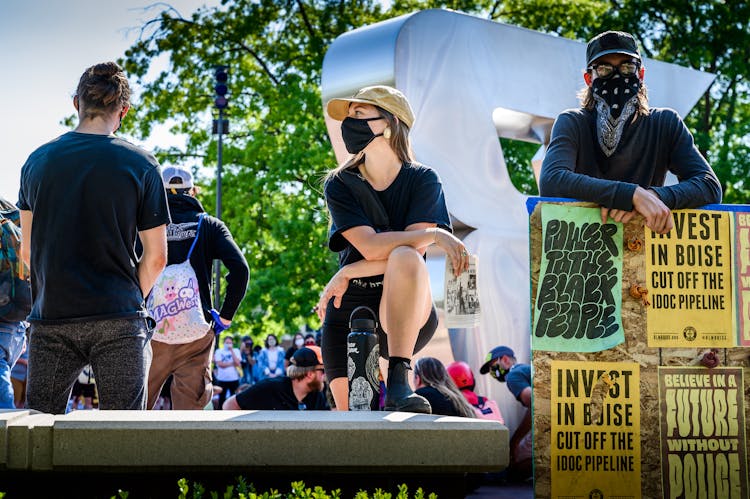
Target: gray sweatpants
118	350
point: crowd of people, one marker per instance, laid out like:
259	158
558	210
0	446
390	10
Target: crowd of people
108	290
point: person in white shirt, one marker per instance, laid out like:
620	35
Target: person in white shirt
227	361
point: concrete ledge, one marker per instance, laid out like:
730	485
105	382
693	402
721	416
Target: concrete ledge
269	441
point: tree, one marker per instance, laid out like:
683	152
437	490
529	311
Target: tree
709	36
278	150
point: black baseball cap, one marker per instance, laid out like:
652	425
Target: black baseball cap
495	353
611	42
307	357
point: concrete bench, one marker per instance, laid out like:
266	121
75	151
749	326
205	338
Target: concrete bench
355	443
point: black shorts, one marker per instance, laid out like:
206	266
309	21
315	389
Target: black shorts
336	326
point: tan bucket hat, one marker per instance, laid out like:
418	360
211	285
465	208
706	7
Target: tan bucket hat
382	96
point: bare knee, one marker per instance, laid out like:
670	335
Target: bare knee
405	260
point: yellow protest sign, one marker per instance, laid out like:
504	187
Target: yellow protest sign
595	429
742	276
689	278
702	430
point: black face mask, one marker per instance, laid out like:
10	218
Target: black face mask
498	372
616	91
357	133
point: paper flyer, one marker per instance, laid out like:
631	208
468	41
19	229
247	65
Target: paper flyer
595	430
579	296
689	278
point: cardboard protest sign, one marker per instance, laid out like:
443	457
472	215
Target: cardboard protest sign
595	429
579	297
702	430
742	276
689	276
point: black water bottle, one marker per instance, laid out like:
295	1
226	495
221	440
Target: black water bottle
362	365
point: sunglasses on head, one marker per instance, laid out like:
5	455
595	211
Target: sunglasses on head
606	70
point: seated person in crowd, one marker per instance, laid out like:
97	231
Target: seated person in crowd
301	389
502	365
463	377
433	383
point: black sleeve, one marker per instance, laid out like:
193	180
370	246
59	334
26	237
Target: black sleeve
558	177
249	399
153	210
346	212
427	203
321	402
25	201
226	250
698	184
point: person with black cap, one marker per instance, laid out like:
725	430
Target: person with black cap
385	209
501	364
616	150
300	390
187	355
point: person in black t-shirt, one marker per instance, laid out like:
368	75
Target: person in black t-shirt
433	383
300	390
383	267
83	198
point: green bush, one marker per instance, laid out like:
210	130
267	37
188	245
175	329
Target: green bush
243	490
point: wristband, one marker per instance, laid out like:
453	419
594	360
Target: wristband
218	324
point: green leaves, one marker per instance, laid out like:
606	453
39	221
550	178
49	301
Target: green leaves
278	149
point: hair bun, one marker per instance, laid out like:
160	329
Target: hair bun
106	69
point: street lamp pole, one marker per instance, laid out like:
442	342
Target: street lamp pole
217	263
220	101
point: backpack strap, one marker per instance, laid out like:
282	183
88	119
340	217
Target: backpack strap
370	202
197	233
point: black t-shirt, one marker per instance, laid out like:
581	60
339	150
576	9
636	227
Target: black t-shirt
89	195
416	195
440	403
276	394
289	352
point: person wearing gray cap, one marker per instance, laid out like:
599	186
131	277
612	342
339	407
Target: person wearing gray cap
501	364
616	150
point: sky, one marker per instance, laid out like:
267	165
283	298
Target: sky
44	48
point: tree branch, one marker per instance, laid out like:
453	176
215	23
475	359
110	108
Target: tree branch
309	27
239	44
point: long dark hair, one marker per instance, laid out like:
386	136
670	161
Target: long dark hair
432	372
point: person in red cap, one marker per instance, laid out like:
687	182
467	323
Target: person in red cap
616	150
501	364
381	251
300	390
463	377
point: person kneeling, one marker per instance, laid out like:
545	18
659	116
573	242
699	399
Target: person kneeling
301	389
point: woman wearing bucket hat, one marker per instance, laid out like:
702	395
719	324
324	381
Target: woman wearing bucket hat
382	261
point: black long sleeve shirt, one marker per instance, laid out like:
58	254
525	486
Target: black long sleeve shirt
575	167
215	242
